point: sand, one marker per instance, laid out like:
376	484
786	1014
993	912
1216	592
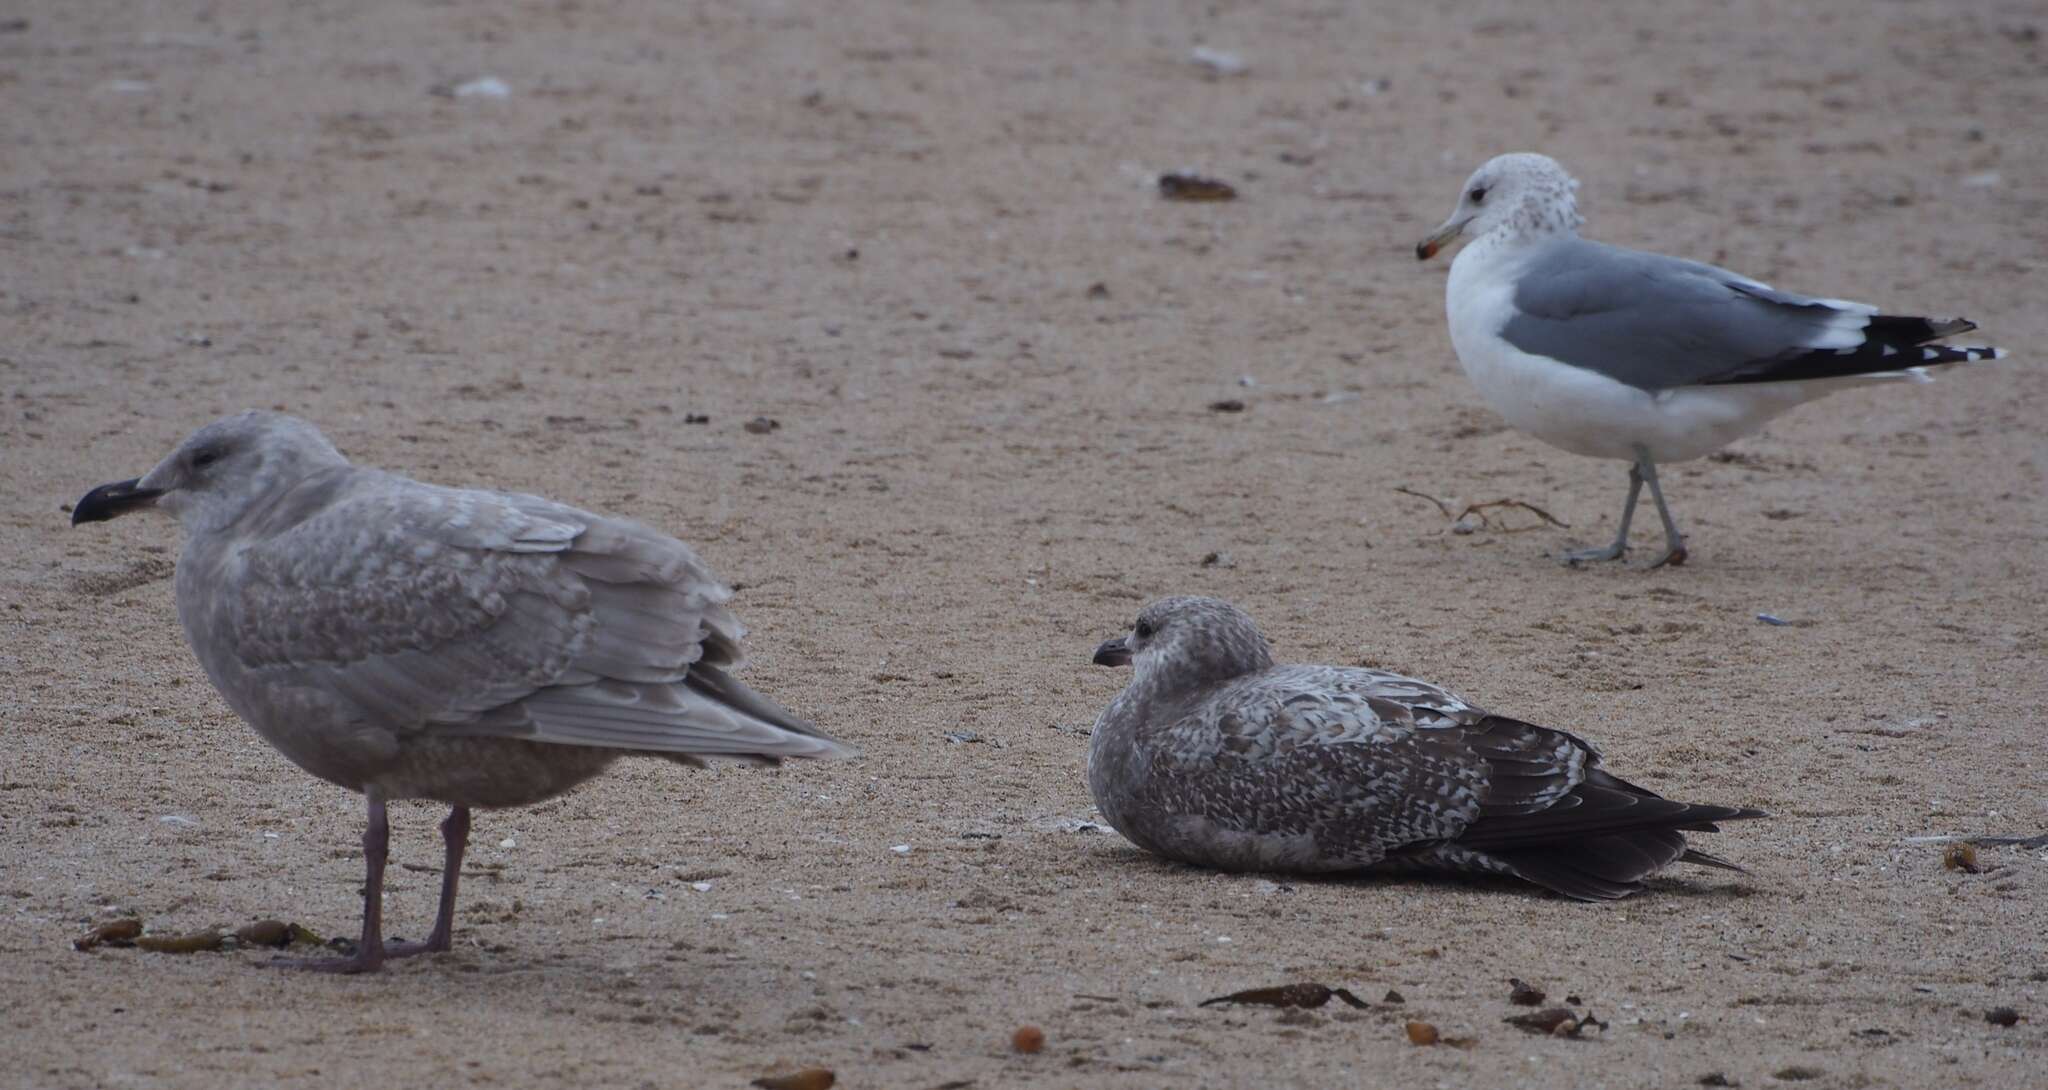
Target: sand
882	227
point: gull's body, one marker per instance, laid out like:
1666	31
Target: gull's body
1616	353
1214	755
474	648
1580	409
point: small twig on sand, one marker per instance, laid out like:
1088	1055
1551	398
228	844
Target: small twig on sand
1480	509
1440	505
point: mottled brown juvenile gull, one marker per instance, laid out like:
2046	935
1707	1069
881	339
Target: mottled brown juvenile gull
1616	353
475	648
1215	756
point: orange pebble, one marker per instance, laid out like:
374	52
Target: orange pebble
1421	1033
810	1078
1027	1039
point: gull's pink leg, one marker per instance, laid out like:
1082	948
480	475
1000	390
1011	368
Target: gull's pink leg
369	955
455	831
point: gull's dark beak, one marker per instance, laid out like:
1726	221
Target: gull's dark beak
1428	247
111	501
1116	652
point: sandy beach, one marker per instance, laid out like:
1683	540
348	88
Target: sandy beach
925	241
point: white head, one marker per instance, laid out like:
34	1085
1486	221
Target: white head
218	474
1181	642
1526	193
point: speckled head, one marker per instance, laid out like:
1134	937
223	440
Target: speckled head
216	475
1526	194
1187	641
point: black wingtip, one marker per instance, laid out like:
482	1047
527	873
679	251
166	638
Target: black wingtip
1709	859
1891	343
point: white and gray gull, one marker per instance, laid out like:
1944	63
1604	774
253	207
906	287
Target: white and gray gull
1214	755
474	648
1615	353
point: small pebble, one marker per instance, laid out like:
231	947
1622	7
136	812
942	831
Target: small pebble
265	933
810	1078
1219	62
181	944
483	87
1194	187
1028	1039
113	932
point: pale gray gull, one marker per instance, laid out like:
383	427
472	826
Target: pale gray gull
474	648
1215	756
1616	353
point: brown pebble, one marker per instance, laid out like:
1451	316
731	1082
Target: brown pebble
1227	405
810	1078
1028	1039
1393	996
1962	857
1194	187
1523	994
761	425
181	944
1552	1020
112	933
1422	1033
265	933
2002	1016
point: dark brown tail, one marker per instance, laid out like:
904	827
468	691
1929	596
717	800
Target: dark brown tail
1602	840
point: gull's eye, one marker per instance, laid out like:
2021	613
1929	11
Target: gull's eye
206	457
1143	630
1478	194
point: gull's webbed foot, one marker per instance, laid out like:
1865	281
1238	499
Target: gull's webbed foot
1590	556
